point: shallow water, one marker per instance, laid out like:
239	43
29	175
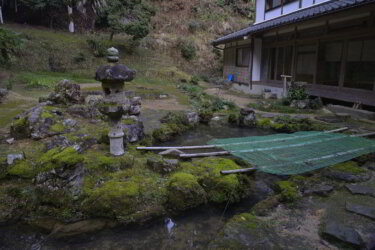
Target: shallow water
191	230
216	130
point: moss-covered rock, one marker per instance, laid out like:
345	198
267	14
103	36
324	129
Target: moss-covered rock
57	128
20	129
205	116
56	158
23	169
131	195
348	171
288	191
264	207
287	124
219	188
184	192
264	123
232	119
165	132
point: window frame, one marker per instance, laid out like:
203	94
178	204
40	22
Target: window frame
282	4
243	65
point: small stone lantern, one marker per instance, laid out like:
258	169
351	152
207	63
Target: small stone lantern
115	104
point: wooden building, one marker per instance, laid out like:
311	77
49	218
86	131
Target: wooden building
330	45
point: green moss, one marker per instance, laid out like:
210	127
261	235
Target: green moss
20	128
58	128
264	123
184	192
22	169
163	134
56	158
246	219
219	188
128	121
349	167
288	191
263	207
45	115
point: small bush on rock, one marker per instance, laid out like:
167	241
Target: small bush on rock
188	50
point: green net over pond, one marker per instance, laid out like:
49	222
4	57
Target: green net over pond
297	153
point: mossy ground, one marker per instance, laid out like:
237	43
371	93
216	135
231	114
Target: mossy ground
350	167
219	188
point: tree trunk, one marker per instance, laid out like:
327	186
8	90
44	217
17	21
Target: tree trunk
111	37
1	16
71	22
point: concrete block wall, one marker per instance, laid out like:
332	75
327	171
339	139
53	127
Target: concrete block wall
240	74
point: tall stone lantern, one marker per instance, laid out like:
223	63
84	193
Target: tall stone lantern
115	104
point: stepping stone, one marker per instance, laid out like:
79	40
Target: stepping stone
370	165
361	210
358	189
322	190
343	233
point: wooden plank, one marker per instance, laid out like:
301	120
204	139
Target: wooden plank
237	171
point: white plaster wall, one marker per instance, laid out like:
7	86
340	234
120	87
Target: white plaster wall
321	1
273	13
307	3
290	7
257	59
257	89
259	15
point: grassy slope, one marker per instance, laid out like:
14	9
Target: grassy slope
158	59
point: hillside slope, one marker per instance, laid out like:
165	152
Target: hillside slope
177	25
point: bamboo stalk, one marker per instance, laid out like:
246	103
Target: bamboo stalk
364	135
204	154
337	130
177	147
236	171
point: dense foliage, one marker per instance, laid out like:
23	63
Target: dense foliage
9	44
130	17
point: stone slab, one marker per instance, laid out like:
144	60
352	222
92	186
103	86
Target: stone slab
360	189
357	113
343	233
361	210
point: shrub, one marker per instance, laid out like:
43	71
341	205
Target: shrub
188	50
297	92
194	26
232	119
195	80
9	45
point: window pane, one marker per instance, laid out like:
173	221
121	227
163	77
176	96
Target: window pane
246	56
329	63
305	64
359	71
239	57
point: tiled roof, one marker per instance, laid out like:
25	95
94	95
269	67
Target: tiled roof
325	8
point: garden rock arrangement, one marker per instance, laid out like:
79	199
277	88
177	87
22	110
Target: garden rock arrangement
3	94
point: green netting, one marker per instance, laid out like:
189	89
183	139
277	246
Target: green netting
289	154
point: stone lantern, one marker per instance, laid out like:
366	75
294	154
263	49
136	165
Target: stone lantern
115	104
